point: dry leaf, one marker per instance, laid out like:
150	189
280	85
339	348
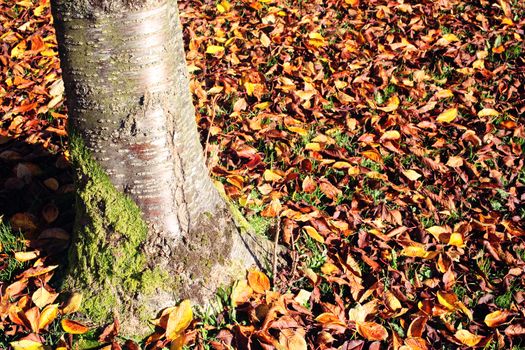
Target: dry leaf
73	327
448	116
467	338
372	330
179	319
258	281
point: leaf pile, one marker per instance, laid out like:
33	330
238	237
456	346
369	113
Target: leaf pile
383	142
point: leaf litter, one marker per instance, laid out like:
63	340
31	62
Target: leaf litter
383	141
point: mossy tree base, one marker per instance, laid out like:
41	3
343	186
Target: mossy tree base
124	267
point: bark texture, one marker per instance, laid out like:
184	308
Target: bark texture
151	228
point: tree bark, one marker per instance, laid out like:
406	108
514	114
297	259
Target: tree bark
151	228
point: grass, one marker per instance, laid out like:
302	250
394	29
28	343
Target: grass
10	243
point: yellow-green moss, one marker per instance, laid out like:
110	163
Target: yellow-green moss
106	258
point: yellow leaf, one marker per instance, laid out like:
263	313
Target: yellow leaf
179	319
448	116
328	268
455	162
488	112
214	49
39	10
316	39
468	338
224	6
352	2
341	165
391	135
418	252
456	239
262	105
26	256
72	304
313	146
312	232
441	233
392	301
450	37
48	315
448	300
250	88
258	281
297	130
265	41
412	175
241	292
270	175
41	297
26	344
178	343
496	318
393	104
445	93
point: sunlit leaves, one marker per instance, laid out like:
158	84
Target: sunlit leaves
496	318
372	330
448	116
467	338
214	49
73	327
179	319
258	281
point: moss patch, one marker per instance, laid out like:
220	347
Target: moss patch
107	263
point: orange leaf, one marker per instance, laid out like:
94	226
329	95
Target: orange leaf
258	281
496	318
373	155
468	338
73	327
372	330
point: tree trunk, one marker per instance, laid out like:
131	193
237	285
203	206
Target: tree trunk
151	228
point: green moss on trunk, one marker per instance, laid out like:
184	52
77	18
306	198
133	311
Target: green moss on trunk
106	260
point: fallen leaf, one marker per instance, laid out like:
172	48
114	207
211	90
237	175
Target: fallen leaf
47	316
258	281
73	327
467	338
448	116
312	232
372	330
73	304
496	318
179	319
214	49
412	175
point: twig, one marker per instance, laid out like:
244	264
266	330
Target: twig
275	246
213	104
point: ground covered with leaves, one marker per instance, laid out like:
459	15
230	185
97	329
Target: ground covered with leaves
381	142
